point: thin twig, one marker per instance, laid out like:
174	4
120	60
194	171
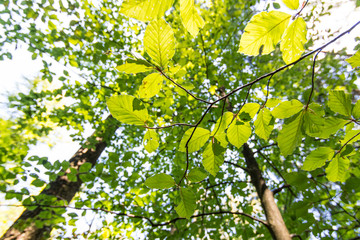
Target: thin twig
178	85
312	79
285	66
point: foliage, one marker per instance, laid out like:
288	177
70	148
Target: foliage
187	103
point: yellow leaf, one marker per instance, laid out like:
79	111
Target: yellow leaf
159	42
293	40
151	85
190	17
292	4
264	30
145	10
354	60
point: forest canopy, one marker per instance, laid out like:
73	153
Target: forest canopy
213	119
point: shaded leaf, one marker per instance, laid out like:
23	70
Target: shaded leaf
187	205
160	181
317	158
196	175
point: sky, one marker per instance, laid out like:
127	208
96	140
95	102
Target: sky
21	67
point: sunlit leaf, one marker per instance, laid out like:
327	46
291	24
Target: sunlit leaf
262	124
160	181
317	158
145	10
356	110
213	158
151	85
293	40
198	139
128	109
354	60
190	17
340	102
337	169
238	133
292	4
287	109
151	140
159	42
290	135
263	31
187	205
133	68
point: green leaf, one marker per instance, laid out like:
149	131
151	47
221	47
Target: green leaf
190	17
276	5
292	4
198	139
85	167
38	183
187	205
287	109
317	158
293	40
159	42
196	175
263	126
356	110
213	158
221	125
160	181
331	126
290	136
238	134
133	68
313	121
250	108
151	140
151	85
337	169
145	10
354	60
351	137
340	102
128	109
263	31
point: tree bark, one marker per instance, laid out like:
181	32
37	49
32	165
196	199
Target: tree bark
62	188
274	218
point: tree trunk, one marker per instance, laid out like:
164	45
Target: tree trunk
274	218
62	188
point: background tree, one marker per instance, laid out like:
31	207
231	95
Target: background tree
208	121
